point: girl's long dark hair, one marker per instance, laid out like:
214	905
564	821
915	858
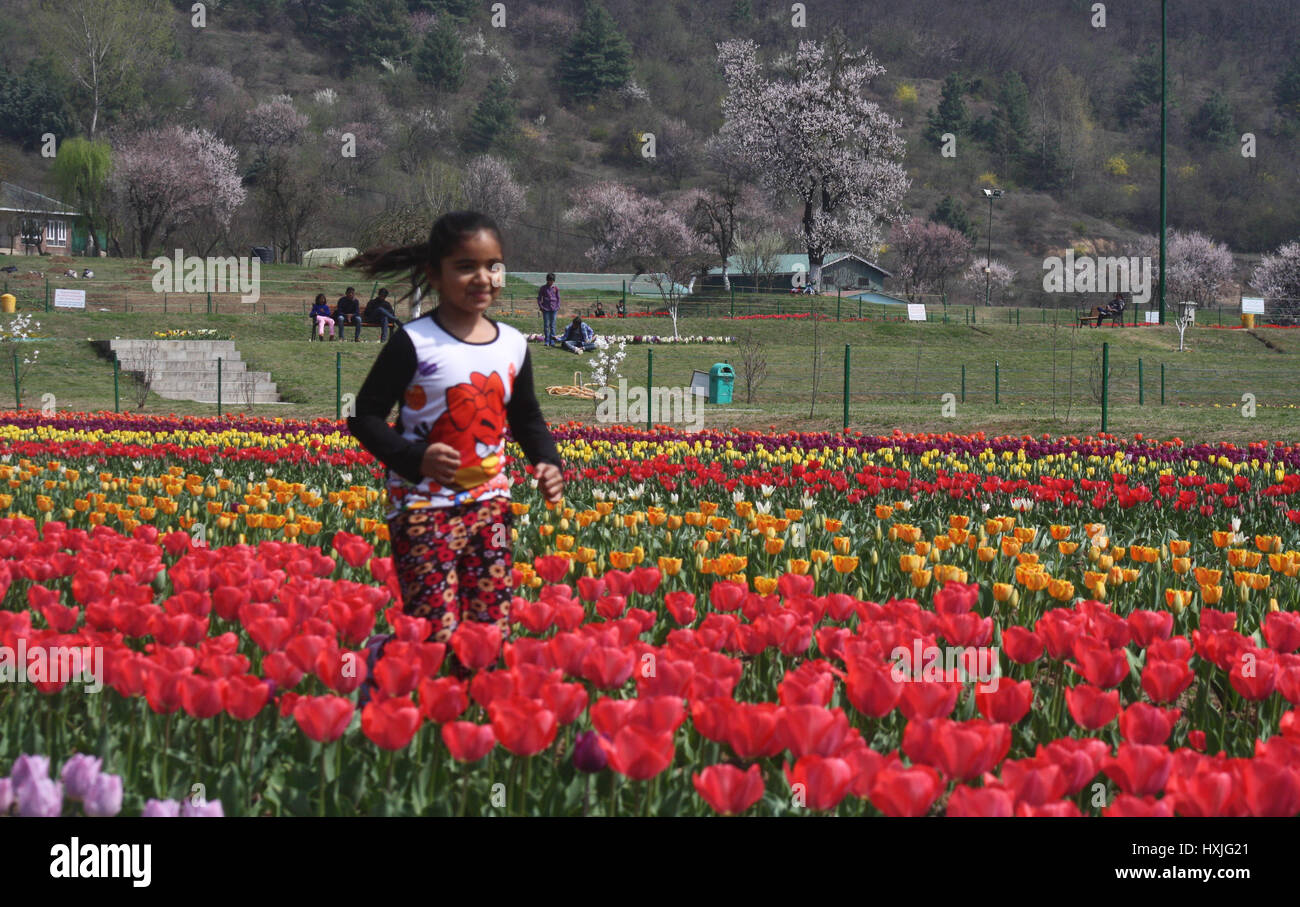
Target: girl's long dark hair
412	261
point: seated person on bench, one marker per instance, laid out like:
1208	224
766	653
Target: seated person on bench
1111	309
321	317
380	311
348	311
579	336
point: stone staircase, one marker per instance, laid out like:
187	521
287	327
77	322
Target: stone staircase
187	370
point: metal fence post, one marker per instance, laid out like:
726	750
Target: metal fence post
209	303
1162	384
18	400
1140	395
649	384
997	382
963	382
218	387
117	400
846	387
338	384
733	301
1105	383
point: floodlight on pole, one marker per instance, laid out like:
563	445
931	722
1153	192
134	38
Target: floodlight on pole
990	194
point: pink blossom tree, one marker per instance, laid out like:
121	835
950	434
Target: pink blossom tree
813	136
927	255
627	227
999	277
1278	278
1198	269
488	186
166	178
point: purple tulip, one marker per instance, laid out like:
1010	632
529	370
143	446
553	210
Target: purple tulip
206	809
161	809
40	798
6	796
587	753
26	767
105	798
79	775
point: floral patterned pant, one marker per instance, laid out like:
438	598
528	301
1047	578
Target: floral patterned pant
453	563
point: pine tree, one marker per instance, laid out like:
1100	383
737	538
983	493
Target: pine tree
1286	94
1011	122
1143	90
598	58
365	31
952	213
493	119
951	115
457	9
1212	123
440	61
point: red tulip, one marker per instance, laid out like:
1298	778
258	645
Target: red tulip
566	700
928	699
1164	681
342	670
522	726
608	668
1254	674
1059	628
664	677
1127	806
1212	620
872	689
1148	626
750	729
535	617
1008	703
645	580
1079	759
1021	645
200	696
590	588
819	782
1270	789
1142	723
727	595
281	670
956	598
568	650
1098	663
811	729
269	633
1033	781
396	676
467	741
1090	707
905	792
1139	769
477	644
638	752
1203	793
243	696
681	605
551	568
323	718
727	789
610	606
162	689
972	802
1282	631
390	724
1057	809
442	699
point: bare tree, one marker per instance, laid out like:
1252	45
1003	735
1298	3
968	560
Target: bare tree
753	363
144	377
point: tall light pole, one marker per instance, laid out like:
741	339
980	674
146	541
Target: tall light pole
988	258
1164	111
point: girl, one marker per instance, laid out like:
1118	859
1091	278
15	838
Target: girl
457	377
320	314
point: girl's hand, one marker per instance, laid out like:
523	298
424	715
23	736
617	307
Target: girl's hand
440	463
550	481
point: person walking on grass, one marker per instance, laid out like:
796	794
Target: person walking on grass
548	300
458	379
321	317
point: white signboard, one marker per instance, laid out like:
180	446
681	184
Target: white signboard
1252	305
916	311
1152	317
700	383
69	299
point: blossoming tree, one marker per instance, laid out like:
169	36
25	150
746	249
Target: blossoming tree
625	226
813	136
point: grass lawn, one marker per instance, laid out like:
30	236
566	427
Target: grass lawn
1047	378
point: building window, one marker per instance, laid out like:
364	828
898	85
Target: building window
56	233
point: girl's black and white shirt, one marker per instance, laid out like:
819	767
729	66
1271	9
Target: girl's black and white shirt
458	393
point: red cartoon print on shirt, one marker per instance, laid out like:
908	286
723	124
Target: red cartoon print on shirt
474	424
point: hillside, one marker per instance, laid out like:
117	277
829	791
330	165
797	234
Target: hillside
1076	147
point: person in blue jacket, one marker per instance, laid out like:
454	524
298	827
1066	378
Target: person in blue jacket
579	336
321	316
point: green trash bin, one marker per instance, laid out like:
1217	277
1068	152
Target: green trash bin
722	380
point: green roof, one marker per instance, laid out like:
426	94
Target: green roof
788	263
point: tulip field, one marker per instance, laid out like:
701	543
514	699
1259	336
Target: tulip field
706	624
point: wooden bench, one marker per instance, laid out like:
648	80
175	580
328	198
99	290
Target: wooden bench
1090	317
339	330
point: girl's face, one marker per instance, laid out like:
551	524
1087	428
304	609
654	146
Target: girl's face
465	279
